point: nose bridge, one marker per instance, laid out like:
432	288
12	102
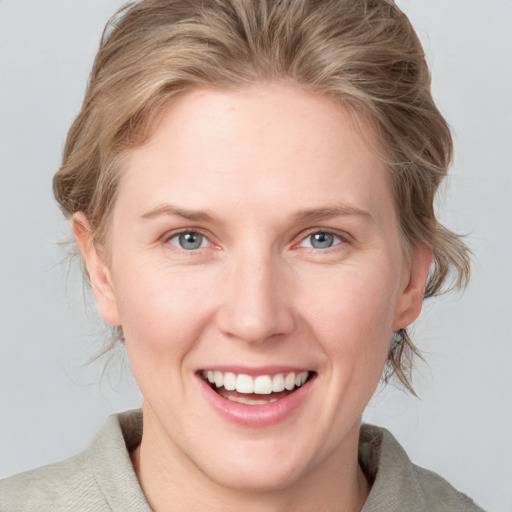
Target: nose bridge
255	302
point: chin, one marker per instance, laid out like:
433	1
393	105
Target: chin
259	466
257	477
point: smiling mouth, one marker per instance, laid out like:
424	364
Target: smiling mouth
257	390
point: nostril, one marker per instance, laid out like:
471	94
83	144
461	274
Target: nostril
256	325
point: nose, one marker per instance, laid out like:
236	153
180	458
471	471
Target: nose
256	300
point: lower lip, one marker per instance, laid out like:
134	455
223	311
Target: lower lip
256	415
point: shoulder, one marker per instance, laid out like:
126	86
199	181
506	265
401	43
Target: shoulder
100	478
439	492
398	484
65	485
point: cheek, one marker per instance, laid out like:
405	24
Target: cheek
162	308
352	313
163	316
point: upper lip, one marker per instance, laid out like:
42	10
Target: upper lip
255	371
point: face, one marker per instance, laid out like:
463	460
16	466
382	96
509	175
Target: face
256	269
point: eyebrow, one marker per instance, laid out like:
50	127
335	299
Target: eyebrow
316	214
302	216
169	209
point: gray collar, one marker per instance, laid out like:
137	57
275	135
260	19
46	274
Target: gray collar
397	484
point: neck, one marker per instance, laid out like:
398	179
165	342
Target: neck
171	481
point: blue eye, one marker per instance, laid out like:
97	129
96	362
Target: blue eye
321	240
188	240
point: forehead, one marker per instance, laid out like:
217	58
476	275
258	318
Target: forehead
269	146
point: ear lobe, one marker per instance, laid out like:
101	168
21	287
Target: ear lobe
411	299
98	270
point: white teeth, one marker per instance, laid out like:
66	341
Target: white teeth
244	384
219	379
241	399
260	385
229	381
263	385
289	381
301	378
278	383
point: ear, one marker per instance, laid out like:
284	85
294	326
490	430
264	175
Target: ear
411	299
98	270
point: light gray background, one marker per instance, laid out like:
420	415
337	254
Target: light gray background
51	404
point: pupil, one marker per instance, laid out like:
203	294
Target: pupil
190	240
321	240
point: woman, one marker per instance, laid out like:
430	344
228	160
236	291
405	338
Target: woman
251	186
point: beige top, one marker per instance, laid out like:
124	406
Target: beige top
102	478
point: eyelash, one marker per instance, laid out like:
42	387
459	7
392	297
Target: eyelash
341	239
167	239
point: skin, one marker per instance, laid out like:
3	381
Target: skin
269	165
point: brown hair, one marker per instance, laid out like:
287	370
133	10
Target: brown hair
363	54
